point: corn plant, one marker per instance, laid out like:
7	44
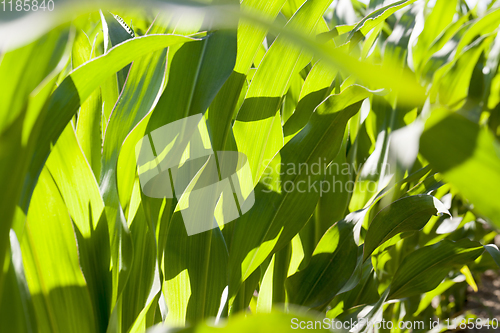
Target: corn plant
369	133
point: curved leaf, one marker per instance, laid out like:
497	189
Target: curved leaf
76	88
406	214
424	269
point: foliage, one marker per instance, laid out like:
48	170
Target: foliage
395	103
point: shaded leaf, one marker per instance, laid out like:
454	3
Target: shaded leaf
404	215
425	268
331	266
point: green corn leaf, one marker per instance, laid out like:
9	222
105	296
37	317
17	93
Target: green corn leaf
435	22
143	86
88	127
441	50
361	289
467	157
20	75
406	214
195	269
454	78
95	261
396	47
278	214
315	89
266	290
425	268
259	112
142	270
70	170
77	87
332	264
250	36
377	16
16	307
332	205
429	296
24	89
246	293
374	172
145	83
272	288
222	112
494	252
291	97
60	295
479	27
197	72
141	91
223	107
116	31
144	321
